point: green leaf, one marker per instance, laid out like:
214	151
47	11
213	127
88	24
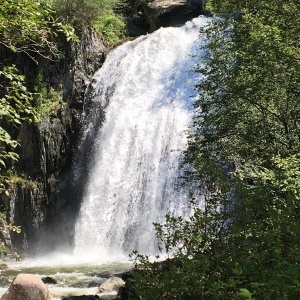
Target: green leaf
244	294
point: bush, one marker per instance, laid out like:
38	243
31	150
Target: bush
81	13
111	26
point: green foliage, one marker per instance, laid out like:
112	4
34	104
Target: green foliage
81	14
244	144
244	294
15	107
28	27
46	99
25	27
5	246
111	26
51	103
96	14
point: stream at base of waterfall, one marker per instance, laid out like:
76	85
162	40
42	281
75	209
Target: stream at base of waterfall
68	277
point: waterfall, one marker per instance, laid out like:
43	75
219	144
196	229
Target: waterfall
138	113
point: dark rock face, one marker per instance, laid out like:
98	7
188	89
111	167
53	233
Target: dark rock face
85	59
171	12
36	202
147	17
45	145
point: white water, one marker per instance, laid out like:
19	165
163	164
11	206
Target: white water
146	87
73	279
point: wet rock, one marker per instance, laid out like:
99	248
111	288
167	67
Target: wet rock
27	287
49	280
171	12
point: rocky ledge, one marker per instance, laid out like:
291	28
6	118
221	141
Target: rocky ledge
171	12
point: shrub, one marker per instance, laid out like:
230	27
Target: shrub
81	13
111	26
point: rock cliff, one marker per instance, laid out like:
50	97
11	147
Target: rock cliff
47	148
171	12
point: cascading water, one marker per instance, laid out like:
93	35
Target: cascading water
145	88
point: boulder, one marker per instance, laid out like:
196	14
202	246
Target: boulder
111	284
27	287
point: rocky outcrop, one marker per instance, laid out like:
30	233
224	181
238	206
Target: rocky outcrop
47	148
85	58
27	287
46	145
171	12
45	154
